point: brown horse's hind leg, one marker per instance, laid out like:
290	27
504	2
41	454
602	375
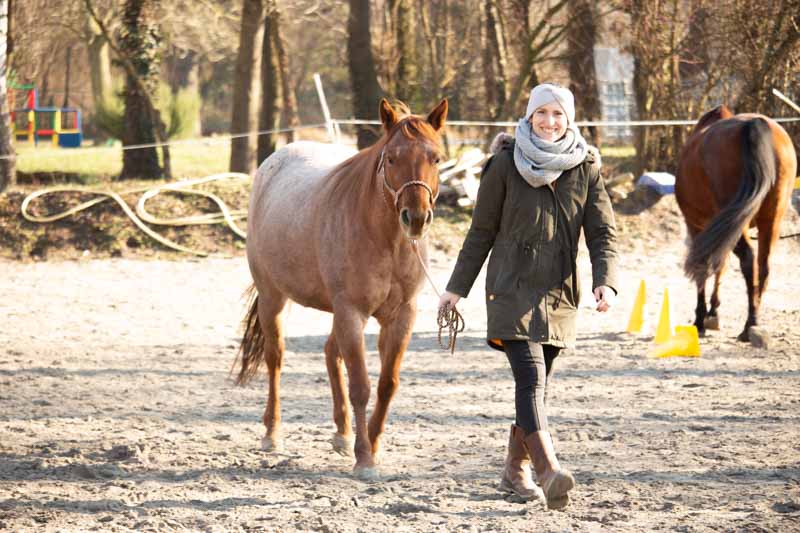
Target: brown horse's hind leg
270	305
343	438
700	309
394	337
348	327
744	251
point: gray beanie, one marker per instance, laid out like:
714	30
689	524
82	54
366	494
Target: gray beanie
545	93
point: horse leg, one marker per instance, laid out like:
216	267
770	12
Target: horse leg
343	438
768	235
348	327
700	309
394	337
744	251
270	304
712	319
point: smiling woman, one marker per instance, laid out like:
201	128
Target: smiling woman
537	194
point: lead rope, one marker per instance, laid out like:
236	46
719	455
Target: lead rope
448	317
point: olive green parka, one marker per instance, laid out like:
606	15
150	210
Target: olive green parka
532	284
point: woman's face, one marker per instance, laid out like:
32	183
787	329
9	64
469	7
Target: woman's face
549	122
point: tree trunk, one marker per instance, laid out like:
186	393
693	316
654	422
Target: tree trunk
183	74
403	29
140	42
99	66
366	91
7	156
67	76
289	117
581	40
270	107
496	55
242	153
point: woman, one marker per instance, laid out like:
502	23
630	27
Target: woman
536	195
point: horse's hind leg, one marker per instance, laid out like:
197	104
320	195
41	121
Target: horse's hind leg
270	305
700	309
744	251
394	337
343	438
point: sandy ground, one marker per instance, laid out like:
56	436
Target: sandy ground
117	412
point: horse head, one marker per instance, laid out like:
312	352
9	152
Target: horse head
408	165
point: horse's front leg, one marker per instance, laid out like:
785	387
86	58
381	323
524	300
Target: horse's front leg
712	319
348	327
394	337
343	438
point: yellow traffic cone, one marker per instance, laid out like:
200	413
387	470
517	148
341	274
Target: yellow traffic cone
664	328
636	321
685	343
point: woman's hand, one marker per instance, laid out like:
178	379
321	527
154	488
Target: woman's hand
448	299
604	296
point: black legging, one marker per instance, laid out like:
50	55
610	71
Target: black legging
532	365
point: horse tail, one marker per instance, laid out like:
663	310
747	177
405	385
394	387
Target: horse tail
251	351
711	247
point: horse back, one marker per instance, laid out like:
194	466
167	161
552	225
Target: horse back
283	221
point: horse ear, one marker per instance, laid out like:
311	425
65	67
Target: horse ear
388	114
438	115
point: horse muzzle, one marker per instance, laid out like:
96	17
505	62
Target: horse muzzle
415	222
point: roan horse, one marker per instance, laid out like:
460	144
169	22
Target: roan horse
339	236
734	173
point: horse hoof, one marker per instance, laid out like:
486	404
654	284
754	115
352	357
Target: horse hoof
342	444
743	336
366	473
271	444
712	322
758	337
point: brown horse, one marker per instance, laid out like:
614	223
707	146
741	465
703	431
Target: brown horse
734	173
340	238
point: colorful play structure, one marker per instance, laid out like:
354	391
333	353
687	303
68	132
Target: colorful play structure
61	125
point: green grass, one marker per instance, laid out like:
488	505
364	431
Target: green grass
189	160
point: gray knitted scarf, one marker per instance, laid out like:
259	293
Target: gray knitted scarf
540	162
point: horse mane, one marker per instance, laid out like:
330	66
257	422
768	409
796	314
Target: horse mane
353	182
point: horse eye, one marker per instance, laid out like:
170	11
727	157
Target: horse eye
390	160
437	160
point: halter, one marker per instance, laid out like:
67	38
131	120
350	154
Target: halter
396	193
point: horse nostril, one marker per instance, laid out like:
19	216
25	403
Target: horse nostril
429	218
404	217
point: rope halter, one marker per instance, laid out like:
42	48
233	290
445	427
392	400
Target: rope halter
396	193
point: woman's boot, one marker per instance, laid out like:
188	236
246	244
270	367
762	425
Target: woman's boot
555	481
517	472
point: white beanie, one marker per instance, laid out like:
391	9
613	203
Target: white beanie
545	93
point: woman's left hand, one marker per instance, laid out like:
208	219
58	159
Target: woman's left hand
604	296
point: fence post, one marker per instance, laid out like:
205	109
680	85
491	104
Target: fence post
325	111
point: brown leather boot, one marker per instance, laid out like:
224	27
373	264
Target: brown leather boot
517	477
555	481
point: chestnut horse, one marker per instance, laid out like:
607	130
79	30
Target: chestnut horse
340	238
734	173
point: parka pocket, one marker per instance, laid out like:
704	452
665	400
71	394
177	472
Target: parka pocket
502	274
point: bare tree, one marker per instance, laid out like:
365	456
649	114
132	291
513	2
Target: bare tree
289	118
140	41
7	156
581	41
270	93
242	154
364	81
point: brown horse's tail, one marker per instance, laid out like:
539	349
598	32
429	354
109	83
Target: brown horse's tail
711	247
251	352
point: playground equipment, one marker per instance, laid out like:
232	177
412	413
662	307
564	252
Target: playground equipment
62	125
